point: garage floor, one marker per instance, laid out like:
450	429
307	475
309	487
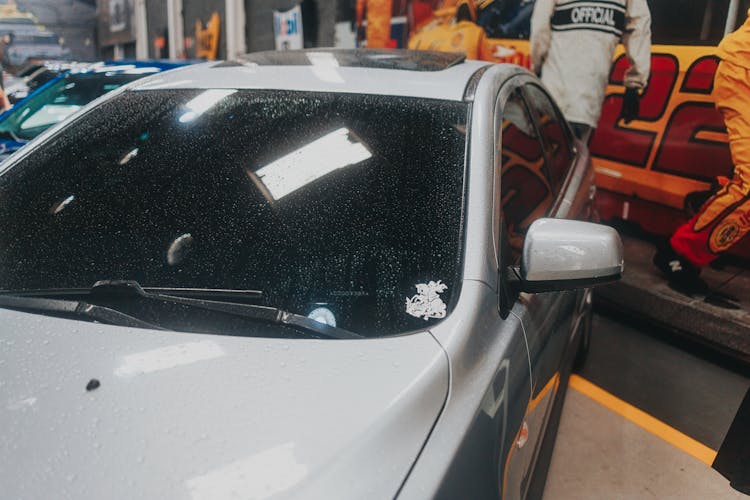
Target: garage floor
645	419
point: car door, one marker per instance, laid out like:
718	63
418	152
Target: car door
531	186
551	313
523	196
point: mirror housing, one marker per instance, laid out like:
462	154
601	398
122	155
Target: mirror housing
563	254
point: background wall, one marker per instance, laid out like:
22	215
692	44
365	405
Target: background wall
319	21
318	18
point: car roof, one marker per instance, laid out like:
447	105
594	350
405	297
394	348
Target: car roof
423	74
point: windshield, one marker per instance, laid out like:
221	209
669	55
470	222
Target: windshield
337	206
56	102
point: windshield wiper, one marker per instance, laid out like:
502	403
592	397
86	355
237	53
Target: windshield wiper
74	308
266	314
195	297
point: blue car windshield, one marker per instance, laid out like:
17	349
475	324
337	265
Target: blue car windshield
348	205
56	102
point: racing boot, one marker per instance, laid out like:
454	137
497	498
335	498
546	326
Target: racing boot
682	275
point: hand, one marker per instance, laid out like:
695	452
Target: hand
630	105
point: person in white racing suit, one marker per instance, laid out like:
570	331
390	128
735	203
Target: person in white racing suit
572	45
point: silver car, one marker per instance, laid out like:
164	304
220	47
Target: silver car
315	275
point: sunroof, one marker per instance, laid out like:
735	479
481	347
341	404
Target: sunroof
411	60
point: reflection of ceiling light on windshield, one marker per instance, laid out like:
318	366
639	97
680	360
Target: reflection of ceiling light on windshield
203	102
179	249
60	205
325	66
331	152
323	315
129	156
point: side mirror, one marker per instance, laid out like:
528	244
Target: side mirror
566	254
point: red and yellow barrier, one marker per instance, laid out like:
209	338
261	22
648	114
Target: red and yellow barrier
677	145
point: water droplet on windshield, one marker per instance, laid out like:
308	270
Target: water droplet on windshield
129	156
179	249
60	205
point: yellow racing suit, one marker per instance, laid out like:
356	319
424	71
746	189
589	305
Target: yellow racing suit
725	218
460	36
378	21
463	36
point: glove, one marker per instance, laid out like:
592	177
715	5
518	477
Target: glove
630	105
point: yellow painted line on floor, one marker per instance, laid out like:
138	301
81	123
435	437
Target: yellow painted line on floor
644	420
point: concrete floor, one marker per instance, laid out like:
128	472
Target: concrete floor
643	292
600	453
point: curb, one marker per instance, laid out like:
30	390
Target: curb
714	327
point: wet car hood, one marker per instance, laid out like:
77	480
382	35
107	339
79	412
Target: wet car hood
178	415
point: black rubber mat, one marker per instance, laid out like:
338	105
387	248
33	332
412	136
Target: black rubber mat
733	459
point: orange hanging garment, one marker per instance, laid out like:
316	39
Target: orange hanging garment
378	14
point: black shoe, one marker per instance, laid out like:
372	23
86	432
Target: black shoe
682	275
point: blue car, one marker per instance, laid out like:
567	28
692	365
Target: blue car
66	93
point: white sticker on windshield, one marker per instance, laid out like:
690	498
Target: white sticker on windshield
427	303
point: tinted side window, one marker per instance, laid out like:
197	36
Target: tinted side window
524	190
554	135
688	22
